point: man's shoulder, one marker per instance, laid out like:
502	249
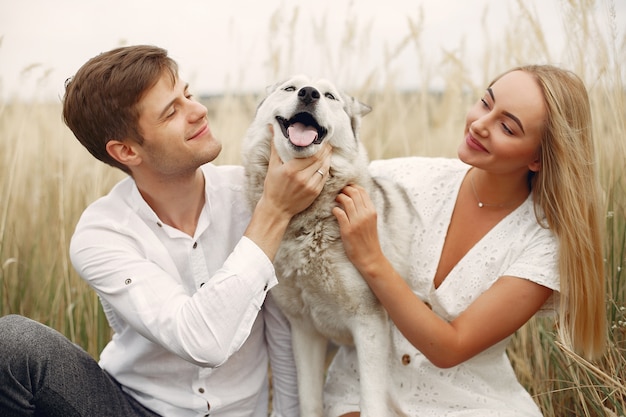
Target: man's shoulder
118	196
113	207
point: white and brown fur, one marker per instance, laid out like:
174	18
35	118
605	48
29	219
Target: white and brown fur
319	290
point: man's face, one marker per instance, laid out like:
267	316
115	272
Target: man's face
175	128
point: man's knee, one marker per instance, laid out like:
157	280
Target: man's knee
21	334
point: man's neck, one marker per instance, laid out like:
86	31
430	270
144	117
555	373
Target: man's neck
178	202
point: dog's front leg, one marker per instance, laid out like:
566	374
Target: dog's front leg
309	350
372	340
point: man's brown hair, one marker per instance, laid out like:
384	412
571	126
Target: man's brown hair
100	102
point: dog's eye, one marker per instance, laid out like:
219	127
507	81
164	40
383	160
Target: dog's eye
330	96
290	88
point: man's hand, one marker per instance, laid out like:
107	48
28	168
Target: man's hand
289	188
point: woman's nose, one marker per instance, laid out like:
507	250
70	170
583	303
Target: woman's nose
479	127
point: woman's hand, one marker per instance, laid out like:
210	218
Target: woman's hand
357	220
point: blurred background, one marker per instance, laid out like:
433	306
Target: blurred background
244	45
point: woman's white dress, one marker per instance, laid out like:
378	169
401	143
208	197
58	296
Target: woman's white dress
484	385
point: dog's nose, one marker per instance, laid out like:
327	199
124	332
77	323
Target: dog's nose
308	95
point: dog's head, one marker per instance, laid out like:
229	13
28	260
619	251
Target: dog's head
306	113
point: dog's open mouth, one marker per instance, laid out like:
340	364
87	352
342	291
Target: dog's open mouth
302	129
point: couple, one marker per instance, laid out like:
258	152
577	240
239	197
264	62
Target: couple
184	270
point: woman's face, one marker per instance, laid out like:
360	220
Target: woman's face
503	129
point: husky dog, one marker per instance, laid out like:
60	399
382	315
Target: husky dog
320	292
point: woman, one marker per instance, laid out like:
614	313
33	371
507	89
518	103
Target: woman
512	229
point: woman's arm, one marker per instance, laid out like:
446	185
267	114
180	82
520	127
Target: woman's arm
496	314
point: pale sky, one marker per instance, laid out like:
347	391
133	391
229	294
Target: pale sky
226	45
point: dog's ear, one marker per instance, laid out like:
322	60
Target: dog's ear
273	87
356	110
268	90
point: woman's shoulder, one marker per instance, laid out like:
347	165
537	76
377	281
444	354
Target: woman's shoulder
414	167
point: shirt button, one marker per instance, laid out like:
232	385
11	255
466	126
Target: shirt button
406	359
195	245
159	224
265	288
201	390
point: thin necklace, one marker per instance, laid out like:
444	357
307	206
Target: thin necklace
480	203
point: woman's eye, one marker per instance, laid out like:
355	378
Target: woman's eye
506	129
485	104
330	96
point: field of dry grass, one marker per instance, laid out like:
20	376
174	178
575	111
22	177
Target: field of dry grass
46	180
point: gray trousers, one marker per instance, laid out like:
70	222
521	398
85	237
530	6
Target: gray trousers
42	373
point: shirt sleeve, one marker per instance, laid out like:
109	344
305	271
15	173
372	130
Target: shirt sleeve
284	377
538	262
141	286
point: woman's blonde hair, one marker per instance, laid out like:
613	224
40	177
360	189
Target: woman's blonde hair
567	191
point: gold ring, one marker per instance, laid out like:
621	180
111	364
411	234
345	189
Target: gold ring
319	171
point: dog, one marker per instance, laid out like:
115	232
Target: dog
320	292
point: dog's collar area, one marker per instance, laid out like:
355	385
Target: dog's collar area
305	119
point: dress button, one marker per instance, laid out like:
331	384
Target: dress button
406	359
201	390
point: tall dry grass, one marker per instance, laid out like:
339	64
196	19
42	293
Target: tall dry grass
47	179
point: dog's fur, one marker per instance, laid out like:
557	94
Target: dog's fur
319	290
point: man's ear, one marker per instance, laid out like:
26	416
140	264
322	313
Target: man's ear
123	152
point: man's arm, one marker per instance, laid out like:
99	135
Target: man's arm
284	375
289	188
136	278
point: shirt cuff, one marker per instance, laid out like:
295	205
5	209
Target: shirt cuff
247	259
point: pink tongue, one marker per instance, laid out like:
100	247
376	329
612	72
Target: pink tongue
301	135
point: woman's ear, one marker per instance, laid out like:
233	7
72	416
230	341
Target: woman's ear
123	152
535	166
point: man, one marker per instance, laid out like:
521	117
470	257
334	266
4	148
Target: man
181	266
